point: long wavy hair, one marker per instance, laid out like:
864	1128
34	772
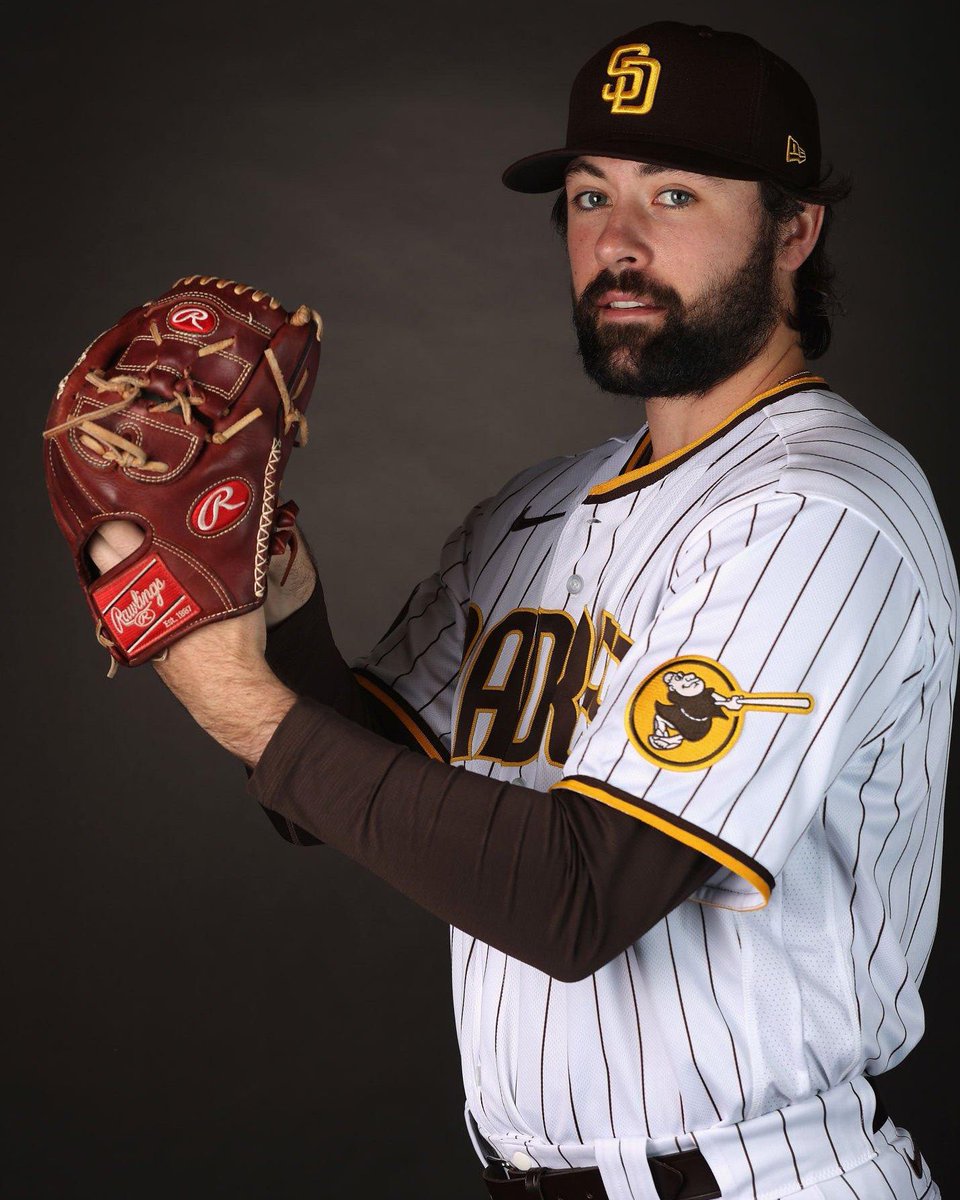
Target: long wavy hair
816	301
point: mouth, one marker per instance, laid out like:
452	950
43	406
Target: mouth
614	307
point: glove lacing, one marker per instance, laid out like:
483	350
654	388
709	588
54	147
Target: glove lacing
115	448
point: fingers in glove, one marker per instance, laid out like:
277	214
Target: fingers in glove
113	542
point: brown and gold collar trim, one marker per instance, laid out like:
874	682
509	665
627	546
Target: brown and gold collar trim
639	472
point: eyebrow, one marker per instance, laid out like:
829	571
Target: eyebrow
587	168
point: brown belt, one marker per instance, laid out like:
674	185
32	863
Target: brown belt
683	1176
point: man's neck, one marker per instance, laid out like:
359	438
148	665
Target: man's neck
676	421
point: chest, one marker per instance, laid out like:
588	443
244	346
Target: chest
559	595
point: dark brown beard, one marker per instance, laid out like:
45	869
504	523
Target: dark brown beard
696	346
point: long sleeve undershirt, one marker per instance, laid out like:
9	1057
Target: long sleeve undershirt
554	879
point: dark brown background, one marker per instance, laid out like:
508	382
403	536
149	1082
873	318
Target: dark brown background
193	1008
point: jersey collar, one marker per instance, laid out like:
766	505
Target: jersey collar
638	472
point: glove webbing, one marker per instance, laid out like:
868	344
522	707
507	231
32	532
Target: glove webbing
125	453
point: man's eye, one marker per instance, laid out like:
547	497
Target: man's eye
675	197
589	200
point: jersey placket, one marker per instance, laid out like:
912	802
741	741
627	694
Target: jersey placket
581	545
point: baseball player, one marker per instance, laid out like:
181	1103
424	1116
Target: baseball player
664	737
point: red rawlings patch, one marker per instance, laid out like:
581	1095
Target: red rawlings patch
143	604
220	507
192	318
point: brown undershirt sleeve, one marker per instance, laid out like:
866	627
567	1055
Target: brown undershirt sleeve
554	879
302	654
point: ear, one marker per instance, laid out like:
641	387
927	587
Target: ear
800	237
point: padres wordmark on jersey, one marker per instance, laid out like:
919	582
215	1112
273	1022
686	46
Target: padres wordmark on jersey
751	646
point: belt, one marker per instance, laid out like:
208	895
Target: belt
683	1176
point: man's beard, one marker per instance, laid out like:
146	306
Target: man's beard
693	347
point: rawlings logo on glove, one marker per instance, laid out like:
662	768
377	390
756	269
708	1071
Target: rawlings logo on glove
181	419
220	507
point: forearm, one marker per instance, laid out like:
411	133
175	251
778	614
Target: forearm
555	880
302	654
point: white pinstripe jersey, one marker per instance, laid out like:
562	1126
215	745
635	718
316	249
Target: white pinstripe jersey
750	645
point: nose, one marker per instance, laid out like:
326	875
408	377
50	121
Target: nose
624	240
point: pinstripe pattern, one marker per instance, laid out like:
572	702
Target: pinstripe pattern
800	549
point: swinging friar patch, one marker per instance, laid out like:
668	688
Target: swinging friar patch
687	714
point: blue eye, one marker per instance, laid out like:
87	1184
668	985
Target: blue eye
589	200
675	197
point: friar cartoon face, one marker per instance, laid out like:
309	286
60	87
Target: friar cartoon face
684	685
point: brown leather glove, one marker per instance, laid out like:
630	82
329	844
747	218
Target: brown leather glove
181	419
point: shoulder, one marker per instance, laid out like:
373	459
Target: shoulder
833	453
830	449
814	443
814	458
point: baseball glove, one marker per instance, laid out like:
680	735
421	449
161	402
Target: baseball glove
181	419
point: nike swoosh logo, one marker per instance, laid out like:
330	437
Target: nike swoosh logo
525	522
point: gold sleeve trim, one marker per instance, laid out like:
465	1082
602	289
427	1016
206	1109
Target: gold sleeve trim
425	739
685	832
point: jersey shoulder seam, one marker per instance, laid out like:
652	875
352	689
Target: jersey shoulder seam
783	487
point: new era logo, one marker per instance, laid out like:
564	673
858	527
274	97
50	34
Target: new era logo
795	152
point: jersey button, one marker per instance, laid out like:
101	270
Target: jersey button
523	1162
574	585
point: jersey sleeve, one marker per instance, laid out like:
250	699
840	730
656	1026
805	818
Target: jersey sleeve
780	647
412	671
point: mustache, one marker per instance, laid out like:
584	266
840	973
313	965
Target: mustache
634	282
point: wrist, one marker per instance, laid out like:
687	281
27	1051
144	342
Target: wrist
272	703
262	703
237	700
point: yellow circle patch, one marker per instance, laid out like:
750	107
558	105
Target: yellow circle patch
687	713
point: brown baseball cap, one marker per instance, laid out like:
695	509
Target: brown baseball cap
686	96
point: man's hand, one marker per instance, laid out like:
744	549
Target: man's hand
217	672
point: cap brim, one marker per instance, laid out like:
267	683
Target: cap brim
545	172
